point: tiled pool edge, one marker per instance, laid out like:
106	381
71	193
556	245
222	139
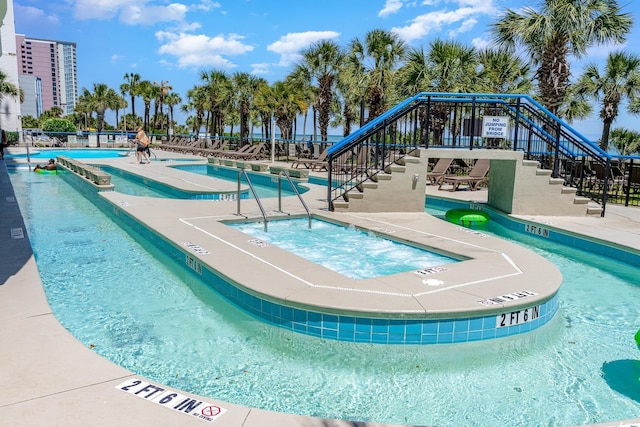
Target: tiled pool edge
553	234
345	327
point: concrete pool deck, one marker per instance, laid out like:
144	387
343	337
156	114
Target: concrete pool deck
50	378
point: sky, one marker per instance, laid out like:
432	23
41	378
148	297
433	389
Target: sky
174	41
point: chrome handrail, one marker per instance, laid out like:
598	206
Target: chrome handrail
255	195
295	190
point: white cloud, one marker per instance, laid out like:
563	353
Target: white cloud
290	45
116	58
101	9
130	12
390	7
207	5
467	14
480	43
197	50
466	26
29	14
136	15
260	69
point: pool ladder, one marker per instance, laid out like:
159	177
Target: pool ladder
242	172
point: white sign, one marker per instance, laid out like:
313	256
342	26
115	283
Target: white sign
495	126
517	317
172	400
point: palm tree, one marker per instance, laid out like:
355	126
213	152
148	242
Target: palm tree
557	29
172	99
448	66
196	101
122	103
620	79
300	79
244	90
626	142
8	88
218	90
503	72
148	92
132	88
163	90
100	100
377	58
323	60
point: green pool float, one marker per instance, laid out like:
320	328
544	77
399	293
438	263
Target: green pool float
467	217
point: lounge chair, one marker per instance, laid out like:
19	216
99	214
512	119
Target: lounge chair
477	176
440	169
318	164
252	153
233	154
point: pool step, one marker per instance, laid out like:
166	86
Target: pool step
386	191
560	199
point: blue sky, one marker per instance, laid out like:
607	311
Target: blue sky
174	40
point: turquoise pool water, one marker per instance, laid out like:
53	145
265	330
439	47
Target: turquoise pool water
340	248
79	153
265	185
153	318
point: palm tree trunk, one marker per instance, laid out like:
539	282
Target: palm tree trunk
606	128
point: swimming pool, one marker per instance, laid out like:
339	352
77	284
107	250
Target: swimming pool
76	153
339	248
557	375
135	185
265	183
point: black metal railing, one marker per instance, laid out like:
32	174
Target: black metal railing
479	121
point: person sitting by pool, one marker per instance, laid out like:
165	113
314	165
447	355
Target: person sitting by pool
51	166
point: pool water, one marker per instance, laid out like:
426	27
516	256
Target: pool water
152	317
264	184
74	154
340	248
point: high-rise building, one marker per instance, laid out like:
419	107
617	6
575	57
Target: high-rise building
54	63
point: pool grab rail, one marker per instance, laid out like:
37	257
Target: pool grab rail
295	190
255	195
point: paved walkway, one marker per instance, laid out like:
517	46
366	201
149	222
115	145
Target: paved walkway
50	379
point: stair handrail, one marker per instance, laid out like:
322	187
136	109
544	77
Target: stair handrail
255	195
561	139
295	190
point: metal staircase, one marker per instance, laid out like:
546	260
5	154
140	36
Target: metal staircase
468	122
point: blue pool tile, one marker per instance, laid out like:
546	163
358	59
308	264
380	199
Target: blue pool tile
346	335
314	318
329	321
429	339
474	336
363	326
299	315
330	334
445	338
396	327
476	324
347	323
430	327
363	337
461	326
380	326
379	338
413	328
460	337
445	327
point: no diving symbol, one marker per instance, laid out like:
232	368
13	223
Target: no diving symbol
210	411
